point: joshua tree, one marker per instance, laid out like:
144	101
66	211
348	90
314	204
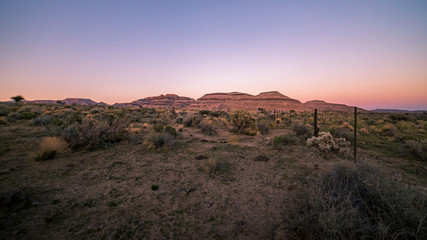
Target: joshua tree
17	98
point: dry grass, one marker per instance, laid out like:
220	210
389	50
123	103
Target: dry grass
360	202
50	146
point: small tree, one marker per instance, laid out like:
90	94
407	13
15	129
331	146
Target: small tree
17	98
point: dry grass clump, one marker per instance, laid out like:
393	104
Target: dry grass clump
359	202
50	146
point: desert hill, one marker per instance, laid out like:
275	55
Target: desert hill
235	100
162	101
325	106
67	101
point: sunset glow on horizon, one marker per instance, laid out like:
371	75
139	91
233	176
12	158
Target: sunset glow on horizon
364	53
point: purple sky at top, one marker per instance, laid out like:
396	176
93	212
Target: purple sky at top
372	54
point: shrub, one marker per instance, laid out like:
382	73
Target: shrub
416	148
92	134
300	129
171	131
358	201
13	116
42	120
263	125
192	120
326	143
49	147
243	123
158	127
206	126
284	140
345	133
162	140
4	110
29	112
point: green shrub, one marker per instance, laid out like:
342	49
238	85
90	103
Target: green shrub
284	140
171	131
243	123
359	202
158	127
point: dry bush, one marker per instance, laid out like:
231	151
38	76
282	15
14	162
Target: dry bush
192	119
359	202
50	146
206	126
264	125
159	140
417	149
243	123
91	134
345	133
300	129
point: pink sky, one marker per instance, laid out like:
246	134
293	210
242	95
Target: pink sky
363	54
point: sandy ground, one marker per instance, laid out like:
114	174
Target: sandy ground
107	193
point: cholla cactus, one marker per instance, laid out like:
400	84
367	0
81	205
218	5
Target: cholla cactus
326	143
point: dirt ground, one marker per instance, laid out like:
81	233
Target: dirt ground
108	193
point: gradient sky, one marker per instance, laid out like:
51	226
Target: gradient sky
372	54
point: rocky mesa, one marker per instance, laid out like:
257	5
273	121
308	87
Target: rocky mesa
231	101
162	101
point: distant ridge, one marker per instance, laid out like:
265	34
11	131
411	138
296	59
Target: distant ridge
67	101
269	101
162	101
397	111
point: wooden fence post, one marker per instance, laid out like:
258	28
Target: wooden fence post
355	133
316	129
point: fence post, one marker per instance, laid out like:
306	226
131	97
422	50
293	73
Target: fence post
355	133
290	117
316	129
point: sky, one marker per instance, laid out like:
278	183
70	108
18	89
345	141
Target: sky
367	53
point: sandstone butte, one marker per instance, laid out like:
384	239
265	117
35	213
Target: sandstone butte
234	101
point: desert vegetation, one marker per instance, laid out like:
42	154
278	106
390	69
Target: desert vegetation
103	172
